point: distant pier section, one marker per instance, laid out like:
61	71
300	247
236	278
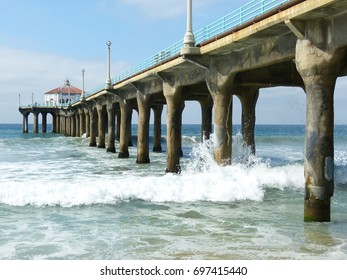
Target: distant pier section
263	44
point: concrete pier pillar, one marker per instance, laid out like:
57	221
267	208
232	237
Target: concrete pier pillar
143	103
318	66
220	82
73	125
82	125
130	140
65	121
125	128
101	109
111	137
44	122
87	122
62	124
36	122
93	126
175	105
77	118
248	97
70	125
206	104
118	122
157	110
67	125
25	123
223	128
58	123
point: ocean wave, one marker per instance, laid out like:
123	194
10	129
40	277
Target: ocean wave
201	180
101	180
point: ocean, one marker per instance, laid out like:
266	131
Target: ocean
61	199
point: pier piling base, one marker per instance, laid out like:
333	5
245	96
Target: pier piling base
318	68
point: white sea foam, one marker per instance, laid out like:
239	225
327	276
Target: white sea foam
100	178
201	180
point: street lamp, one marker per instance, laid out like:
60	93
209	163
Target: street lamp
108	79
82	95
189	38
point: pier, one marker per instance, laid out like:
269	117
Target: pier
264	44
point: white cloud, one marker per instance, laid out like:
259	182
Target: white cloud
26	72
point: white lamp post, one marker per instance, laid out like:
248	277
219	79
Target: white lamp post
189	38
82	95
108	79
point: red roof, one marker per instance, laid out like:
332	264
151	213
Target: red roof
65	89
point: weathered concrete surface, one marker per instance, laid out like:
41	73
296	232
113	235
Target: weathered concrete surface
125	128
319	63
157	109
82	124
44	122
36	122
248	97
25	124
206	104
144	110
220	83
93	125
111	117
101	109
87	121
175	105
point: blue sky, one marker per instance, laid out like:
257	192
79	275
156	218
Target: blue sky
42	43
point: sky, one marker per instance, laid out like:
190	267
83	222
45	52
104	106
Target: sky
43	43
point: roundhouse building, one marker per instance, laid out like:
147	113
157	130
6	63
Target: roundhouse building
62	95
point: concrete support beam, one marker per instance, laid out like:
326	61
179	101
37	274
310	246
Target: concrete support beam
44	122
206	104
175	105
143	103
223	128
56	121
157	110
82	125
319	65
130	140
111	134
73	125
125	128
87	122
248	97
25	125
36	122
93	125
220	81
67	125
62	124
101	109
118	122
77	119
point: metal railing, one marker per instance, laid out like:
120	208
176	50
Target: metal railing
236	18
242	15
39	105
